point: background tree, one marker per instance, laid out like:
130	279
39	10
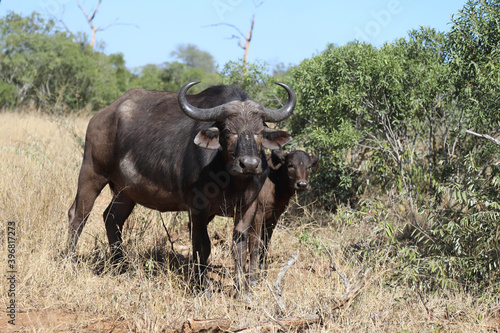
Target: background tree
244	39
474	46
391	122
171	76
255	78
90	20
466	226
193	57
44	66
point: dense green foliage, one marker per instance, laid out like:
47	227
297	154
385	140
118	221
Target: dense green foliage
474	52
44	66
389	123
392	120
255	79
171	76
196	65
58	72
465	235
195	58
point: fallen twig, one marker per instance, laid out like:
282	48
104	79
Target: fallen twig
287	323
222	325
277	284
205	325
350	293
281	308
333	265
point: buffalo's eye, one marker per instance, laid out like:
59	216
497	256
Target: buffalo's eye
229	135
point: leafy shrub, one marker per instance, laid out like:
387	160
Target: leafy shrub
46	66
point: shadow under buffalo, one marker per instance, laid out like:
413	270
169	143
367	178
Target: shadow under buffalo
153	262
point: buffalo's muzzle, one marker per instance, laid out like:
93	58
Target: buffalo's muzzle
301	185
249	164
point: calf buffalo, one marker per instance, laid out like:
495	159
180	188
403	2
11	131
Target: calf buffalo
289	174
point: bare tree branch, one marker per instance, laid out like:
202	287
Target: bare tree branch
286	324
89	20
65	26
484	136
242	35
95	10
60	19
244	39
91	23
333	265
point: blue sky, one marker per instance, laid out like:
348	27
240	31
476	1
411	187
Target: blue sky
285	31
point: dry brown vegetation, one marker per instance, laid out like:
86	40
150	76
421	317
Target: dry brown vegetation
39	164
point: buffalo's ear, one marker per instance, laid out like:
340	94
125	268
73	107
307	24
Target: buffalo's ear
274	139
208	138
277	159
315	164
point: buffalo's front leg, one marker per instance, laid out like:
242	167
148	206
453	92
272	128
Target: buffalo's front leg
255	244
201	243
242	221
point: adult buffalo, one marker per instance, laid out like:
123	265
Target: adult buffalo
199	153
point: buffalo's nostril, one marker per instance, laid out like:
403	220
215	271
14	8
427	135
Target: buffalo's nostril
249	163
301	185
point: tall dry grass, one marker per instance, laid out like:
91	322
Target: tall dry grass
40	159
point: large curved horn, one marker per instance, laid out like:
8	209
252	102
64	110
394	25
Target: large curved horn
285	110
210	114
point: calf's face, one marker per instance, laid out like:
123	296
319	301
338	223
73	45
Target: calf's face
298	166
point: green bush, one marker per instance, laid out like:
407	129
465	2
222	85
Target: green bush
365	109
391	122
47	67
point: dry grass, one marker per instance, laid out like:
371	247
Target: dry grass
39	165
